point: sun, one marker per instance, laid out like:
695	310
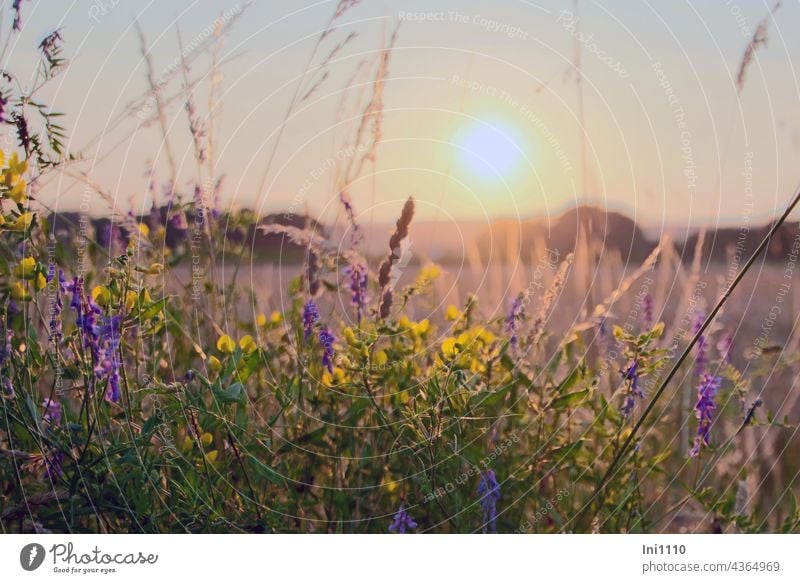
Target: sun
490	150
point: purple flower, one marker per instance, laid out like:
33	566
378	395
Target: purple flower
489	492
357	273
16	6
631	375
647	312
310	318
6	348
327	339
402	522
513	319
52	412
704	410
8	388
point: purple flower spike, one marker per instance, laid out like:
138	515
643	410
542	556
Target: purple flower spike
647	312
327	339
310	318
631	374
402	522
513	319
489	492
358	287
704	410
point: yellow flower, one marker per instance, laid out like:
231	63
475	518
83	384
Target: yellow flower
130	299
275	318
452	313
337	378
428	274
350	336
261	320
155	269
449	347
421	328
2	157
17	192
23	222
211	456
226	344
214	364
41	281
25	268
404	322
15	166
247	344
206	439
144	229
381	358
18	292
101	295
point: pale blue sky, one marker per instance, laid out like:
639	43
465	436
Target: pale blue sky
634	140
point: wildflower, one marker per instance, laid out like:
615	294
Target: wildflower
631	375
214	364
647	312
489	492
17	192
248	344
513	319
25	269
22	223
52	412
327	339
261	320
357	273
226	344
19	292
8	388
310	318
452	313
704	411
102	295
402	521
275	317
16	6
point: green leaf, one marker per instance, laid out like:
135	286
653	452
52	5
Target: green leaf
570	399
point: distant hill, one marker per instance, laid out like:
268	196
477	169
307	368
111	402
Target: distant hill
444	242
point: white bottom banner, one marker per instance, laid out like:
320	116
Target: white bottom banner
355	558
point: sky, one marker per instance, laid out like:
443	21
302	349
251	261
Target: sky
483	114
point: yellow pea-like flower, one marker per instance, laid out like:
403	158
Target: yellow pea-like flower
206	439
15	166
381	357
101	295
41	282
155	269
261	320
275	317
248	344
17	192
25	268
214	364
144	230
23	222
452	313
211	456
130	299
226	344
19	292
449	347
